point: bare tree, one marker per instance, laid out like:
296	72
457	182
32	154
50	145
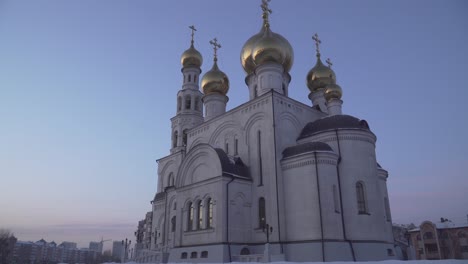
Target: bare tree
7	244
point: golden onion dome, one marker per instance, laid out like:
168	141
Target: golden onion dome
333	91
273	47
320	76
246	52
191	58
215	81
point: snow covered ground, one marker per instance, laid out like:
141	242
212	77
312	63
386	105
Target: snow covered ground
445	261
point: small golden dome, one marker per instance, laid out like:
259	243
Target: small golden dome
333	91
215	81
191	58
320	76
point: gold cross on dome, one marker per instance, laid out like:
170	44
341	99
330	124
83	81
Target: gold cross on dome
317	43
266	12
329	62
216	46
192	27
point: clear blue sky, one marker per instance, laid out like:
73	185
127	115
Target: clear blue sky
87	89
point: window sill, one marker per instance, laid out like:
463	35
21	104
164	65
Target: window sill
199	231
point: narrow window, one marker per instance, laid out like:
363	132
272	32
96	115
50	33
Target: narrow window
173	224
361	198
209	213
284	89
335	200
190	78
387	209
259	150
204	254
195	78
193	254
179	103
196	103
200	214
175	206
184	255
261	213
226	147
187	102
255	91
190	217
184	138
236	146
174	140
170	180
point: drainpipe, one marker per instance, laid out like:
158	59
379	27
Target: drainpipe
320	207
227	217
341	198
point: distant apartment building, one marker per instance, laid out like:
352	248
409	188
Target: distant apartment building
117	249
440	240
43	252
96	247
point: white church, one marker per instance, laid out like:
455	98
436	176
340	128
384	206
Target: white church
272	179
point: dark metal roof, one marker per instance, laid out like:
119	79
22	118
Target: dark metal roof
333	122
305	147
232	165
159	196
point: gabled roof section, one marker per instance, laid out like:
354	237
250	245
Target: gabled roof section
232	165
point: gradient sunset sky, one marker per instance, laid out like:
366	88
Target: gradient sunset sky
87	89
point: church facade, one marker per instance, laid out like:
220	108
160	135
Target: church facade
273	178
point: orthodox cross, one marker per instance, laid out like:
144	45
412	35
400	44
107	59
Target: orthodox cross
317	43
329	62
192	27
266	12
216	46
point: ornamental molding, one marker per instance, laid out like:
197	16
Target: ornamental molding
298	164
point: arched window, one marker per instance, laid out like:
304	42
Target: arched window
361	198
183	255
170	180
261	213
188	102
428	235
245	251
190	217
174	139
259	150
336	202
204	254
175	206
236	146
184	138
173	223
200	214
193	254
209	213
179	103
196	103
387	209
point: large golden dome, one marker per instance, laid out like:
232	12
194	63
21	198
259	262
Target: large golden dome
266	46
333	91
246	52
320	76
272	47
191	58
215	81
